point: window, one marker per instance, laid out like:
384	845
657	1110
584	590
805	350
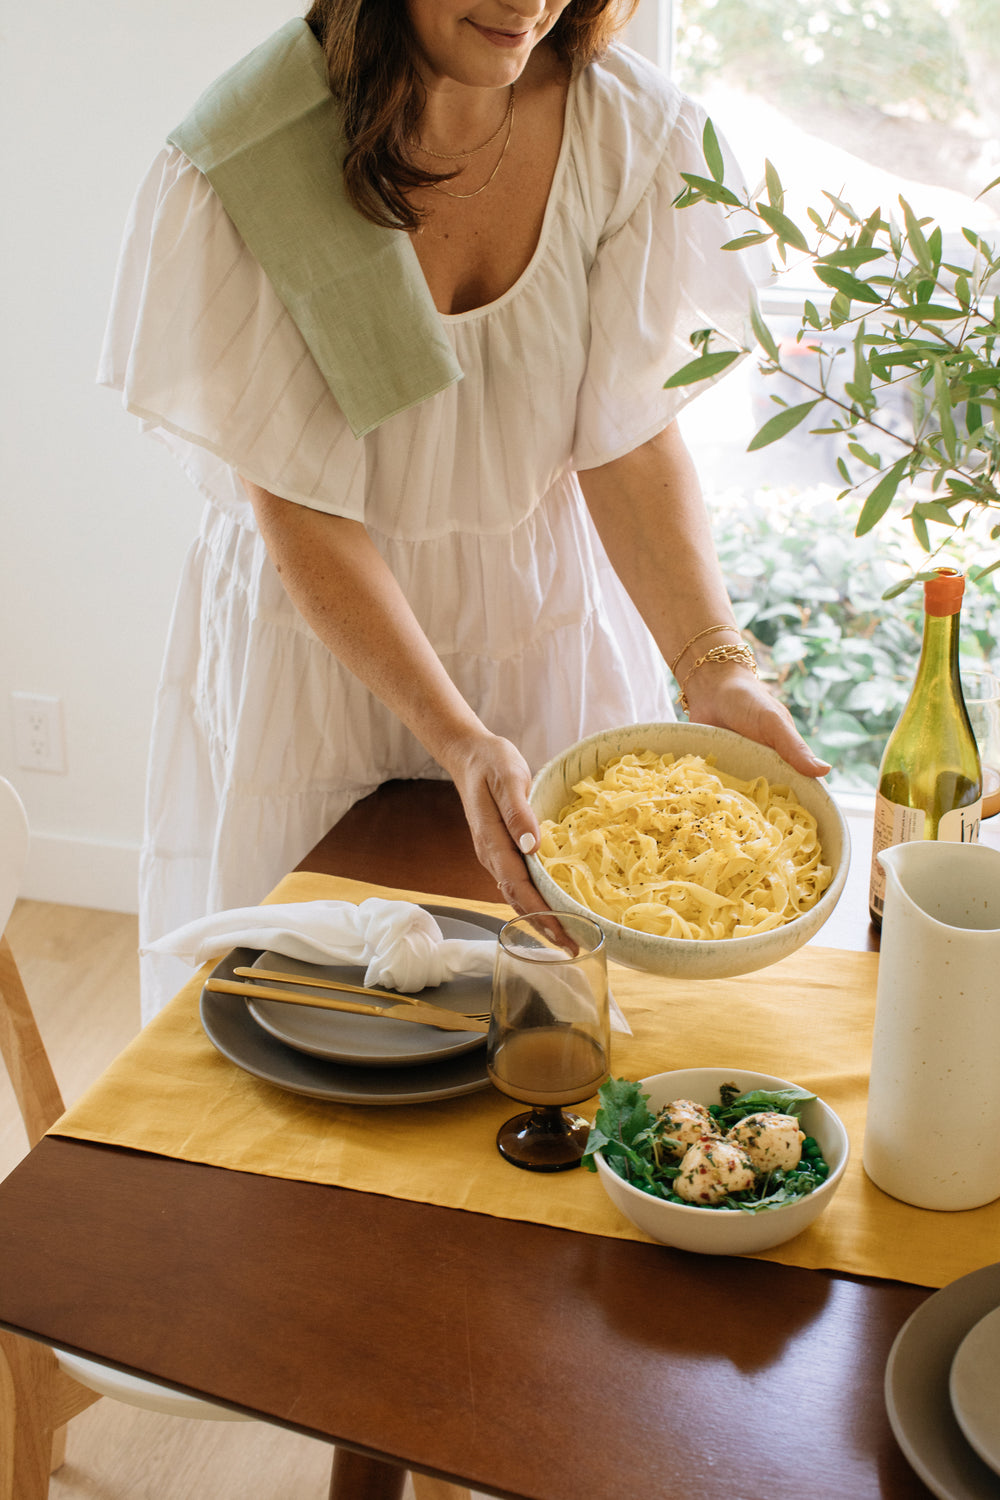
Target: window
867	99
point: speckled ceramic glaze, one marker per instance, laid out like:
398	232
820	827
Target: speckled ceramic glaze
933	1120
708	1231
686	958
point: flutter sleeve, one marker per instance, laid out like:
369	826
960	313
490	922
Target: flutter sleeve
206	356
658	277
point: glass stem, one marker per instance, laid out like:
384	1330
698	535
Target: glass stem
550	1119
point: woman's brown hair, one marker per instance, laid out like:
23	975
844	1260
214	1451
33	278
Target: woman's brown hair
369	54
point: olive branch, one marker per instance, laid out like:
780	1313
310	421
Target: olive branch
913	320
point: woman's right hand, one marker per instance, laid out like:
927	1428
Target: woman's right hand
493	779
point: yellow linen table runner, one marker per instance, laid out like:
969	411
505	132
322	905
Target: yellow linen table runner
807	1019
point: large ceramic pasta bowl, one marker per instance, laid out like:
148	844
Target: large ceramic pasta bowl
552	790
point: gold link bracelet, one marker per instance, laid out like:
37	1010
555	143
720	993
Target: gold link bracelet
740	654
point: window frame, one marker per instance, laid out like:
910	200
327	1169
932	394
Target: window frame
651	32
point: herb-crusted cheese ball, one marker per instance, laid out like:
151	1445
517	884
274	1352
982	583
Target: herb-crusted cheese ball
685	1121
770	1140
712	1168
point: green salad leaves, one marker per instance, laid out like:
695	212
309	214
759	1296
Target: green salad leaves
635	1145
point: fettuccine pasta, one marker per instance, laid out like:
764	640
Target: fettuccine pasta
677	848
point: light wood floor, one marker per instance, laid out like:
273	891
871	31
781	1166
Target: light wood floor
80	970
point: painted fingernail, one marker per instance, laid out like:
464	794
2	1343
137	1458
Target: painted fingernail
526	843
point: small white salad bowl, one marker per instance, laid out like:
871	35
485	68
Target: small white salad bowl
713	1231
689	958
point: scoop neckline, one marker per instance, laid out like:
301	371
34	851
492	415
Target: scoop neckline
551	207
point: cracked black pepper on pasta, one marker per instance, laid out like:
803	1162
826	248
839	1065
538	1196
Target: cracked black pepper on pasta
675	847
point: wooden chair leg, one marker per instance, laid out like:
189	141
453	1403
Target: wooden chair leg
24	1054
356	1477
37	1399
57	1456
425	1487
27	1374
69	1398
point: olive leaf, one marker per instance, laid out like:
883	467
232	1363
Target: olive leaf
703	368
881	497
787	232
777	426
843	281
713	152
764	335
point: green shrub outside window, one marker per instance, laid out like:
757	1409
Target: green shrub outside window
808	595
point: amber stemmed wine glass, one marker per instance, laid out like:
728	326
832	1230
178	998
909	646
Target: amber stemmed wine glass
549	1039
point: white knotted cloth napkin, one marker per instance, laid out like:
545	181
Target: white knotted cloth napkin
401	945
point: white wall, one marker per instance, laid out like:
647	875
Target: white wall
95	518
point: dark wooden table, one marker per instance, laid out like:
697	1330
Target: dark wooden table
524	1361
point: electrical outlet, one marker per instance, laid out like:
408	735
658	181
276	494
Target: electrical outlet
39	740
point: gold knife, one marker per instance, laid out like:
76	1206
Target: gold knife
419	1011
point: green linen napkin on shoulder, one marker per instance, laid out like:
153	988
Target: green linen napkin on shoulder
268	137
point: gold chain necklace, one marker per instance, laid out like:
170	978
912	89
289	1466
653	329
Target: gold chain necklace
509	120
457	155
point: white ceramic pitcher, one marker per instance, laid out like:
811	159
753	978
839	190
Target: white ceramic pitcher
932	1136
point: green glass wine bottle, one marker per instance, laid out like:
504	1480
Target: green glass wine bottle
930	781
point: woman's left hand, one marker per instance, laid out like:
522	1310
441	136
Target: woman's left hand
731	697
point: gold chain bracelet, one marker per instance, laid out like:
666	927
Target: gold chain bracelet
712	630
740	654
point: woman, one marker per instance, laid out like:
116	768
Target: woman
481	573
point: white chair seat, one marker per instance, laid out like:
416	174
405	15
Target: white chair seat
135	1392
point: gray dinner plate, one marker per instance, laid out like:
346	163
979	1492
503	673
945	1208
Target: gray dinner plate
232	1029
917	1388
975	1388
364	1041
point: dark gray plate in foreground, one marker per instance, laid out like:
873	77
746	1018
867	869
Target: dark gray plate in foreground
231	1028
917	1388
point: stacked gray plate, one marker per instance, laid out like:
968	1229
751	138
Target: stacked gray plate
347	1058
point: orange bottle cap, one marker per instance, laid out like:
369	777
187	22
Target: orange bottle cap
943	593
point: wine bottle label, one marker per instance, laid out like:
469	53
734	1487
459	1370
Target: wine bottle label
902	825
961	825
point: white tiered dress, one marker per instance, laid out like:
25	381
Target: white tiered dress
261	740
